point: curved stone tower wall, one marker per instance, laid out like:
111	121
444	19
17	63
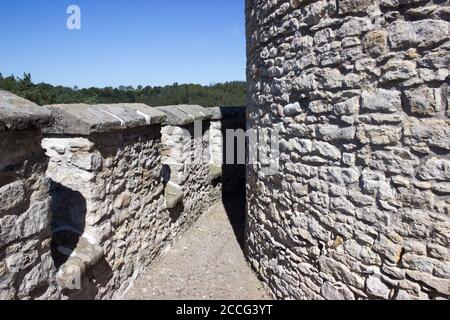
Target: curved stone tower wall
358	89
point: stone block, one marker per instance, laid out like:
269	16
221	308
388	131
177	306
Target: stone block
422	33
20	114
424	101
84	119
173	194
382	100
182	115
376	43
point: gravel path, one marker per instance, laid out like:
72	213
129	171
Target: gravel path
206	263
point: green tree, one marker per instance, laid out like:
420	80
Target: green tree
220	94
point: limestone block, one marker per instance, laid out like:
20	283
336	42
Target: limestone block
173	194
19	114
182	115
382	101
215	171
83	119
435	169
422	33
376	42
424	101
84	256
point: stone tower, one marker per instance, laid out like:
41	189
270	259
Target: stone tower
358	92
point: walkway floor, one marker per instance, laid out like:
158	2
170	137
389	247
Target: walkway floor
207	263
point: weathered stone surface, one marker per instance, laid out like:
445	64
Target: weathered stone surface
422	33
363	186
83	119
19	114
375	43
336	292
382	101
440	285
25	260
333	133
377	288
398	70
12	196
348	107
354	26
435	169
185	114
342	272
292	109
379	135
424	101
174	195
354	6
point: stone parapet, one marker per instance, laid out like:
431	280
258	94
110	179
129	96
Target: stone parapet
26	266
182	115
186	145
116	185
17	113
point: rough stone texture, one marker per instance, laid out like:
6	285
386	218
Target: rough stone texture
19	114
26	266
114	209
359	90
107	192
120	186
83	119
206	263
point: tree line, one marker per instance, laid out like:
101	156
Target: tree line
222	94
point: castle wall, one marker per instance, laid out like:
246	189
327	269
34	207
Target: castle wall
359	93
90	195
111	193
26	265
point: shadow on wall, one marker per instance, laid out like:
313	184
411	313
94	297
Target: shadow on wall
68	221
233	183
68	224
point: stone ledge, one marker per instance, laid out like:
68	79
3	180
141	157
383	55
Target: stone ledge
85	256
84	119
221	113
17	113
182	115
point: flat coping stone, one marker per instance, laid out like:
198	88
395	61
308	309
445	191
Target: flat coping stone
220	113
85	119
17	113
180	115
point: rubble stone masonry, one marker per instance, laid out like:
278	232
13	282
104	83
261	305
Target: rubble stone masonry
358	90
90	195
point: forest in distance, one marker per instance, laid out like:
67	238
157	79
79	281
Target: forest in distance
222	94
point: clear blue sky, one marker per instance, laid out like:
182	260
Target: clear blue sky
124	42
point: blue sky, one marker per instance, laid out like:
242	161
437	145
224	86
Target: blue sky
147	42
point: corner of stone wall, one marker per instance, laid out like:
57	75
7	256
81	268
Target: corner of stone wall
186	137
26	265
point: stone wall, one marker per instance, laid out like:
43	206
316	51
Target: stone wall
358	90
90	195
114	211
26	265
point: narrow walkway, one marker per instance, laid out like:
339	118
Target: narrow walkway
206	263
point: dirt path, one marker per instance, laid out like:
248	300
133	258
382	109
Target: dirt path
206	263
